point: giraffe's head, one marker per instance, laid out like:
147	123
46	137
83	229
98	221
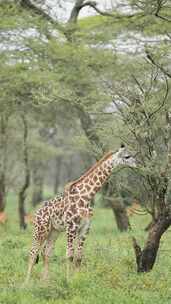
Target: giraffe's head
123	157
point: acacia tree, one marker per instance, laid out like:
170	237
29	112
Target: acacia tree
75	82
78	87
145	113
18	116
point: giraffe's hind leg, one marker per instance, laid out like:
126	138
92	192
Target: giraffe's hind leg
40	235
36	246
82	233
47	251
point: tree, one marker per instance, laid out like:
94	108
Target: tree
103	91
3	163
158	8
145	112
26	184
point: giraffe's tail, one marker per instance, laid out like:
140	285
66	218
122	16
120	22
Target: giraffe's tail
37	259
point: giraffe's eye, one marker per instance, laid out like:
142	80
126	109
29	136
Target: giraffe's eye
73	190
127	156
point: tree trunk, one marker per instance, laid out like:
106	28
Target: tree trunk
120	215
2	193
21	209
89	128
75	11
37	195
146	258
80	4
58	166
22	193
3	160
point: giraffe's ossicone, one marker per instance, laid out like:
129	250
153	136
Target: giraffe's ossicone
71	212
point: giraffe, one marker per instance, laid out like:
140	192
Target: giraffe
72	212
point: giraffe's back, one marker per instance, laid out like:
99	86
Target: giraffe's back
49	216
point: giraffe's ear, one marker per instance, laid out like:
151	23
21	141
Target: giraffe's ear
67	187
122	145
122	149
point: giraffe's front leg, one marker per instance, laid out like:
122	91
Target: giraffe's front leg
82	233
71	235
47	252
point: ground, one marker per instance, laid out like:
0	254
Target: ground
108	274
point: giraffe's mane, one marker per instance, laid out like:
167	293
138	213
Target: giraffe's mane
96	165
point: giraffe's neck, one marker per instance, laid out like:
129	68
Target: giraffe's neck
92	181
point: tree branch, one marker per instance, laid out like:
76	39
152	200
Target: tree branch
159	7
164	100
80	4
39	11
152	60
93	4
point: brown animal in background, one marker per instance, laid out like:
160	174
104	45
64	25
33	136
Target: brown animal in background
3	218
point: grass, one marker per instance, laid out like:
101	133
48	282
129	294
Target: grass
108	274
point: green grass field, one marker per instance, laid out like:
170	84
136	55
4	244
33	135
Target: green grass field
108	274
